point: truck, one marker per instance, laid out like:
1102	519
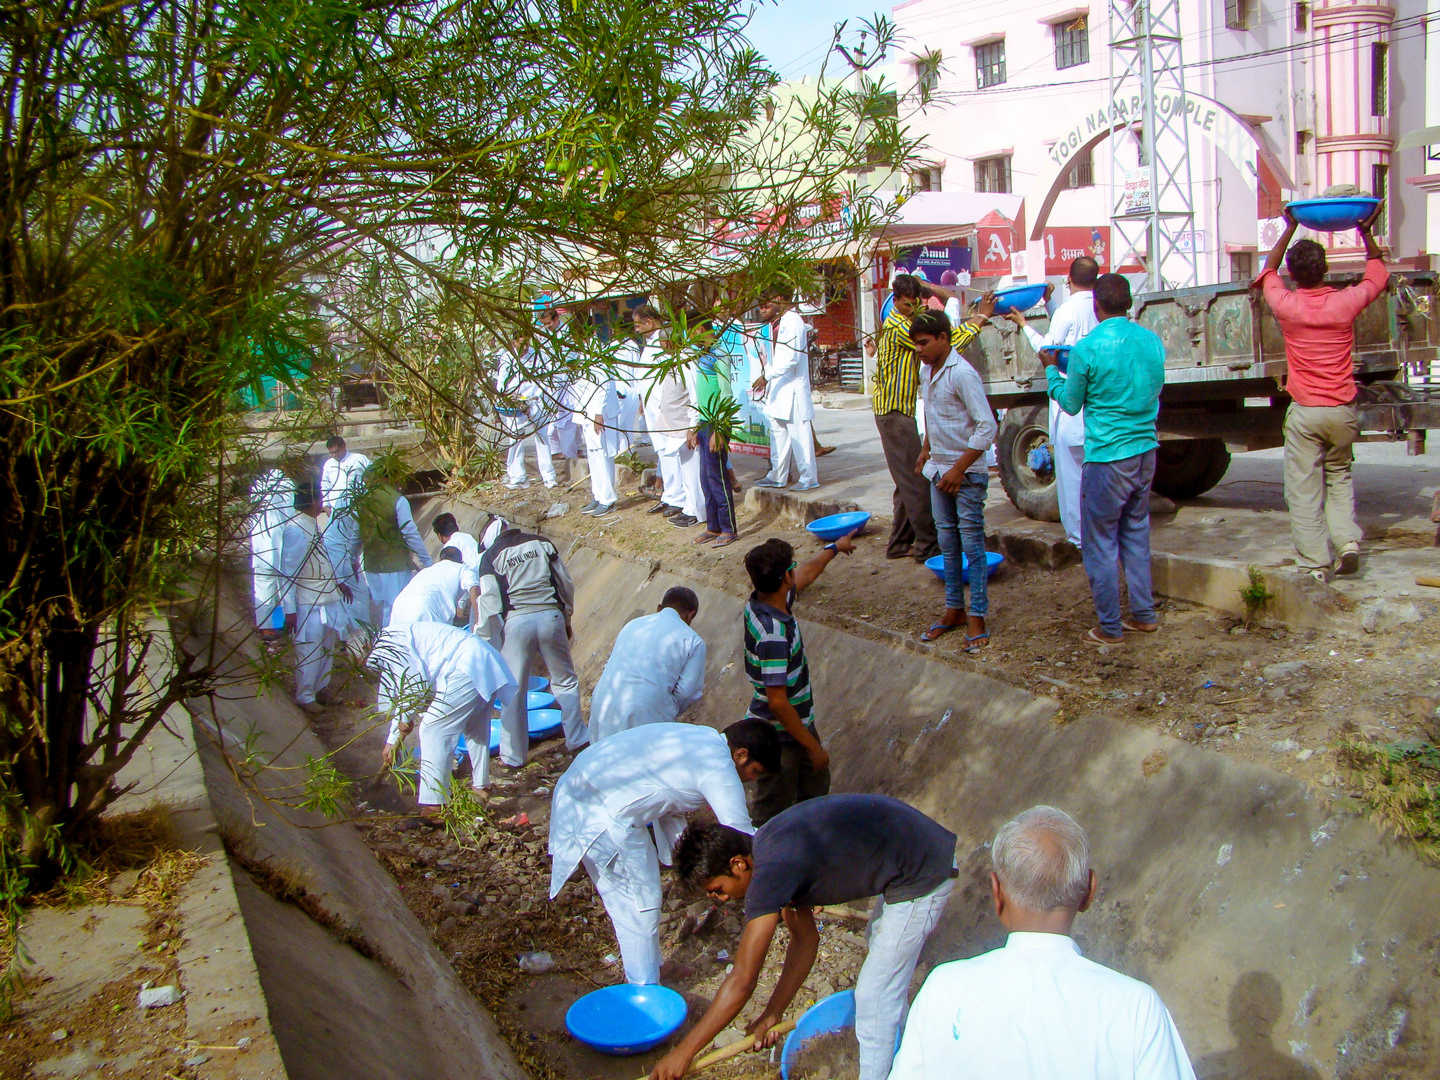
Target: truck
1224	373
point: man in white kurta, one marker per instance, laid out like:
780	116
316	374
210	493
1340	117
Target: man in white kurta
272	503
466	676
673	418
785	382
651	776
314	600
597	411
656	669
342	479
1072	320
522	405
447	530
434	593
1035	1007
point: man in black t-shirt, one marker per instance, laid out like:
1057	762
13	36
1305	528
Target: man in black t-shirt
827	850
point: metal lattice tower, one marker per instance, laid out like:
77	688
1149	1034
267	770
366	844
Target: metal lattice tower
1147	69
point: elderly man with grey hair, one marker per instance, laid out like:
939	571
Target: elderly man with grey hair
1036	1007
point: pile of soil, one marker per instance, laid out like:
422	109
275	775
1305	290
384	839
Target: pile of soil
832	1056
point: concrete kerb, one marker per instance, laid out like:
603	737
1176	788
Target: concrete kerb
353	982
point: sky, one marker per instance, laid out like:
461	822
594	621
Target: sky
793	34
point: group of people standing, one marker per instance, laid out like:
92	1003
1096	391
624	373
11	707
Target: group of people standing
645	393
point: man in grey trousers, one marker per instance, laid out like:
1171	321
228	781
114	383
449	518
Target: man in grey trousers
525	583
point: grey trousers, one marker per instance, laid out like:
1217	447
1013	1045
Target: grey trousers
1318	487
529	634
911	519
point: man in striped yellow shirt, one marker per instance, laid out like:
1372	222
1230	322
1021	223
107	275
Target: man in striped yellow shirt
893	392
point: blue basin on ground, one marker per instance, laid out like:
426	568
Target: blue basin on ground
626	1019
936	564
837	525
542	724
539	699
1333	214
538	682
1018	298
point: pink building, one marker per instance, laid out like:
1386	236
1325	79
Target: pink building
1285	100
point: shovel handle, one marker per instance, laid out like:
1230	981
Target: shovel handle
1427	579
739	1047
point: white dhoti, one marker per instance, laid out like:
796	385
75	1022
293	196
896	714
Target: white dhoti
384	588
789	437
1067	448
627	878
315	640
600	457
456	709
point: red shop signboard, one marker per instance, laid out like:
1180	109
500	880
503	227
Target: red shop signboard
1066	243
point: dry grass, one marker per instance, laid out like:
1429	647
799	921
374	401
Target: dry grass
1400	783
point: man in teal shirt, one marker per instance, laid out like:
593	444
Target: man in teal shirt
1115	374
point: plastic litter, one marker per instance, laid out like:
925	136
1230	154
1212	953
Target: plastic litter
537	963
157	997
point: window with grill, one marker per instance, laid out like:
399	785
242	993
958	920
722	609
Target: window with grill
1242	265
1379	187
1237	14
1380	79
993	174
1072	43
1081	172
927	179
990	64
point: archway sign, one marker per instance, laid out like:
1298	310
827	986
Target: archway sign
1205	119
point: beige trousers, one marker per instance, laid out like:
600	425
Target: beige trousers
1318	487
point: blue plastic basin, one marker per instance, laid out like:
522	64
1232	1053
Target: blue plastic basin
834	1013
1018	298
1062	357
1334	214
837	525
936	564
538	682
542	723
539	699
625	1019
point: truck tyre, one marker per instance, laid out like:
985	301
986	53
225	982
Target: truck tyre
1033	491
1185	468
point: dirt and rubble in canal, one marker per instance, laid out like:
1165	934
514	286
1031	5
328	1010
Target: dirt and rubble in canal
1287	698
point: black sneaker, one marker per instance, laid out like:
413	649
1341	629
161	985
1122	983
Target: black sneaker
684	521
673	511
589	508
602	509
659	507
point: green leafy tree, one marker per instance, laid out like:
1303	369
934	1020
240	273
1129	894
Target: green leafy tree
199	194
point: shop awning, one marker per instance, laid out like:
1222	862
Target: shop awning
931	217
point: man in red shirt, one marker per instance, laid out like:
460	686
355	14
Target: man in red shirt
1318	323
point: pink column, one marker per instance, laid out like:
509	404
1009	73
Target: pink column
1350	139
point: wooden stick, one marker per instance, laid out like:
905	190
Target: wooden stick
739	1047
1427	579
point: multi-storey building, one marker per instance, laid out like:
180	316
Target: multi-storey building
1285	99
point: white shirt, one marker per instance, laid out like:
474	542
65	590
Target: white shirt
652	775
468	547
272	498
958	416
1072	320
655	672
787	372
308	579
338	480
1038	1009
431	595
430	655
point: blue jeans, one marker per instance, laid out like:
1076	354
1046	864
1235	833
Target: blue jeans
960	526
1115	507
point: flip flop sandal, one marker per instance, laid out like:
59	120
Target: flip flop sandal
1140	628
1094	637
725	541
705	538
939	630
976	643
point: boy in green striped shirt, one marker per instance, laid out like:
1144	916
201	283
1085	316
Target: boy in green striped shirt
780	674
